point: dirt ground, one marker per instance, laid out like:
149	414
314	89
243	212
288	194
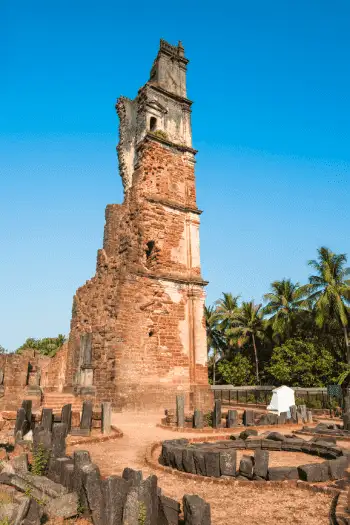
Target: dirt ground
229	505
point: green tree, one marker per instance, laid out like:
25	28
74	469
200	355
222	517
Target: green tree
302	363
226	307
237	371
285	305
214	335
248	325
48	346
329	291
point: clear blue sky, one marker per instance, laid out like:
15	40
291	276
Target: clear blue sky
271	121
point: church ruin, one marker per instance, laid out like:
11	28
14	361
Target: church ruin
138	333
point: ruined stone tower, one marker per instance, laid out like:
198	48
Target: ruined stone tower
137	331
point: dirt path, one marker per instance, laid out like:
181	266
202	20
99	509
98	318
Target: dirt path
230	506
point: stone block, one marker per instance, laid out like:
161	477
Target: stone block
246	467
134	476
114	491
282	418
65	506
42	438
196	511
270	444
293	412
228	462
56	466
34	513
67	475
282	473
93	490
198	420
212	463
199	461
237	443
314	472
81	458
261	463
217	414
66	416
148	497
248	418
176	457
253	442
337	467
309	416
180	410
59	432
232	418
46	419
86	416
106	417
168	511
21	423
27	405
20	463
188	460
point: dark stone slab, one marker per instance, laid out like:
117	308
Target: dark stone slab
232	418
196	511
198	419
261	463
253	442
93	489
247	433
282	418
20	463
59	432
198	456
34	513
176	457
217	414
293	412
248	418
114	491
27	405
66	416
148	501
282	473
246	467
212	463
314	472
329	439
237	443
42	438
134	476
180	410
81	458
168	511
46	419
188	460
67	476
80	432
270	444
56	467
337	467
228	462
86	416
21	420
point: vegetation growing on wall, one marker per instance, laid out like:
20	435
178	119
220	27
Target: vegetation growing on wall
48	346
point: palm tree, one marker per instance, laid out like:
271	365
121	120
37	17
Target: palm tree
214	335
226	309
329	291
285	304
248	323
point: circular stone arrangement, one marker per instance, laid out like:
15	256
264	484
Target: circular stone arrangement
217	459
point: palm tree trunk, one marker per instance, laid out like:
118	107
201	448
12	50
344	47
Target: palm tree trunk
347	345
214	364
256	360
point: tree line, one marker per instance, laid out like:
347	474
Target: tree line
297	336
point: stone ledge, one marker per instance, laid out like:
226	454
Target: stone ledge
267	485
210	430
172	204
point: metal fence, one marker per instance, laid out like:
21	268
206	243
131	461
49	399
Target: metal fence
316	398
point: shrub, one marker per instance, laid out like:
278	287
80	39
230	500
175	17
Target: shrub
208	419
40	462
161	134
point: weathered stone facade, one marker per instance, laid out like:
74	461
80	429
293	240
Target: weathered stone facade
137	331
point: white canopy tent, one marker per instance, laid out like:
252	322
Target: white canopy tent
282	398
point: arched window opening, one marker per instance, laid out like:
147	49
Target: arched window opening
153	124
